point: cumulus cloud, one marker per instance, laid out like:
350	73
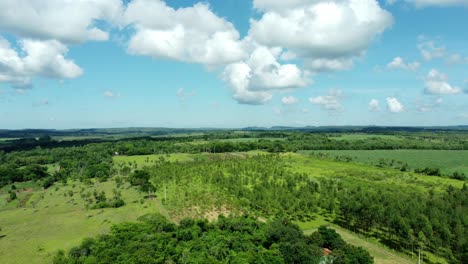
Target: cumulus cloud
374	105
237	76
41	58
192	34
314	29
394	105
289	100
65	21
330	102
437	83
254	79
399	63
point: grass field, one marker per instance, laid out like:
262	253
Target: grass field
148	160
49	221
327	168
448	161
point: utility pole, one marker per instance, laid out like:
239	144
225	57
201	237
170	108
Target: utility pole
419	256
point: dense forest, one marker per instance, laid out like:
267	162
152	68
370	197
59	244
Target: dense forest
228	240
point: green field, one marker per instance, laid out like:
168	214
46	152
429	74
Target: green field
448	161
329	168
49	221
149	160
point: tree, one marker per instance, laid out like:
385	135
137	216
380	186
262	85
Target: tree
12	196
352	255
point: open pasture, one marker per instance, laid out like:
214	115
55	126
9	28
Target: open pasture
51	219
448	161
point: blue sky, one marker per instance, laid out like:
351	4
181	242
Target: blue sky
232	63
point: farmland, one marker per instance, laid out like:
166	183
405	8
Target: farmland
53	196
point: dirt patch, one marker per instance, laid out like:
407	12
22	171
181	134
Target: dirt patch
196	212
212	215
25	190
24	200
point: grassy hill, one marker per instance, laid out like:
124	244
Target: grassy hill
40	222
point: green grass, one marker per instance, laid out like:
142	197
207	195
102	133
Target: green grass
448	161
34	234
149	160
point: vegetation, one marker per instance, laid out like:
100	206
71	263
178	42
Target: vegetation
449	163
392	188
228	240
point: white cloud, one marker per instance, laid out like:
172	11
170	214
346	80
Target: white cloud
374	105
254	80
437	83
41	58
111	94
330	102
183	95
237	76
325	65
305	110
313	30
429	106
429	50
456	58
304	30
399	63
289	100
394	105
279	5
193	34
66	21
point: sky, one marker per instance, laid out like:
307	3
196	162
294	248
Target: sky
232	63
